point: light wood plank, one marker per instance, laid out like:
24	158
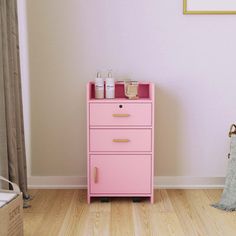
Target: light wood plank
42	200
95	219
162	202
32	222
94	223
74	212
204	219
175	212
189	218
164	220
57	202
166	223
122	218
142	220
226	221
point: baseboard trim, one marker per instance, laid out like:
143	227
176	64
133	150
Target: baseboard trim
57	182
188	182
160	182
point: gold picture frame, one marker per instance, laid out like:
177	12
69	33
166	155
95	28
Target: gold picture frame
196	11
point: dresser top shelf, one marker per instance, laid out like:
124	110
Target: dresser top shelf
120	100
145	93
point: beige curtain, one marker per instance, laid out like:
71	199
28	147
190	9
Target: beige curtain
12	144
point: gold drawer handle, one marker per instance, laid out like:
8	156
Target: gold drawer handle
120	115
120	140
95	174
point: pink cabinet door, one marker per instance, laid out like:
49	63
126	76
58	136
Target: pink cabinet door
118	114
120	174
120	140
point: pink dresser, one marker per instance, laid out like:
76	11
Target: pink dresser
120	140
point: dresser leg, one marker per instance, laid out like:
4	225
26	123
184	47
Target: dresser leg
136	199
152	199
88	200
105	199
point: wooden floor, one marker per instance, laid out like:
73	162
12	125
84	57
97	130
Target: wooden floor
175	212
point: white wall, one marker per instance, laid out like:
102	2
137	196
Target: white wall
191	59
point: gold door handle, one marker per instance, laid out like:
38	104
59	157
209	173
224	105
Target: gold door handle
95	174
120	140
120	115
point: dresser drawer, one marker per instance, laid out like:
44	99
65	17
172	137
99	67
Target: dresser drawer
120	174
118	114
120	140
